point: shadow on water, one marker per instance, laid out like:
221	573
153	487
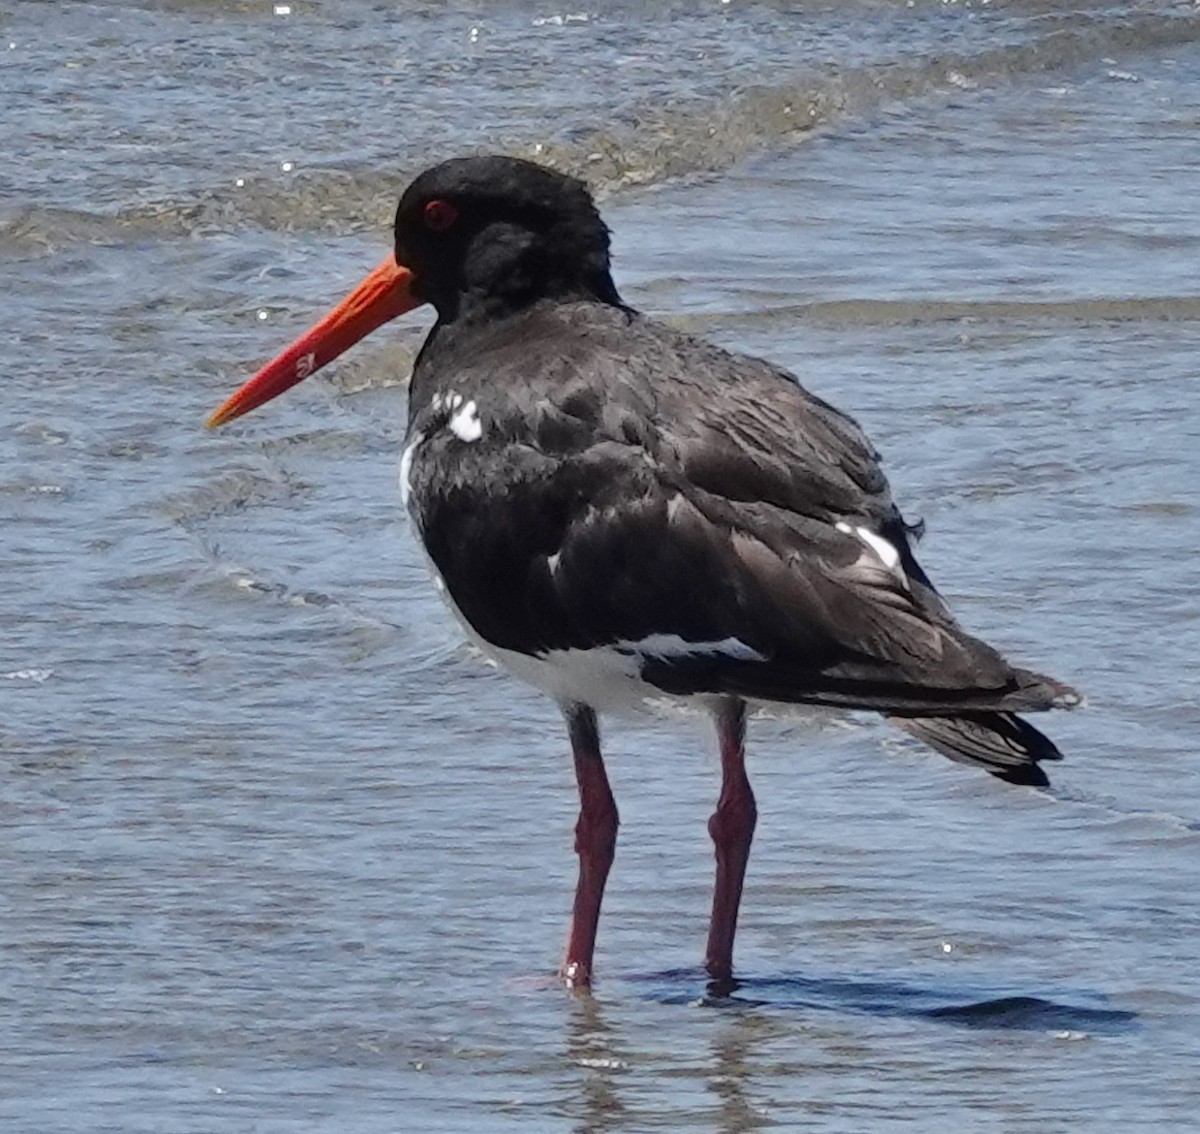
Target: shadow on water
888	998
602	1099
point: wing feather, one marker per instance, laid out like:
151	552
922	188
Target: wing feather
705	497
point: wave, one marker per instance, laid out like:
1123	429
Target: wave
650	145
905	312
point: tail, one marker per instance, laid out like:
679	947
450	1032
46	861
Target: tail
1001	743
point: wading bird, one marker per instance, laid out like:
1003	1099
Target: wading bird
620	513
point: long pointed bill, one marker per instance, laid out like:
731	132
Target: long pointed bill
383	295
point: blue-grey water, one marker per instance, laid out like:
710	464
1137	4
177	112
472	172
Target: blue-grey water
279	854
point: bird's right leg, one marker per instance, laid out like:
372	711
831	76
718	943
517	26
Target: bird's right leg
595	843
732	829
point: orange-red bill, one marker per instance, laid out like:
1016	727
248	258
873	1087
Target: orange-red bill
383	295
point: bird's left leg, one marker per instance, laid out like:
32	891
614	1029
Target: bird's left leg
595	843
732	829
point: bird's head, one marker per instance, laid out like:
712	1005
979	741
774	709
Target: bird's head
475	237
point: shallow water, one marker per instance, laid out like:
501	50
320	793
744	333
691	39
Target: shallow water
281	855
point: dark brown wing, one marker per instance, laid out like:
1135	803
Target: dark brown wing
670	493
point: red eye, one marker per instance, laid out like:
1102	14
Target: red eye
440	215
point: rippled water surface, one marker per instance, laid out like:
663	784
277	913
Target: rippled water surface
281	855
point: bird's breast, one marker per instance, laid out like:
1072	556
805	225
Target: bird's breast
444	435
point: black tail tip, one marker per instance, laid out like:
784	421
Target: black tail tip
1005	745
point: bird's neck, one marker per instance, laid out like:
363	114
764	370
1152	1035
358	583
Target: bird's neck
506	269
454	345
520	291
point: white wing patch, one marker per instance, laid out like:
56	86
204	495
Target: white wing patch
666	646
609	678
887	553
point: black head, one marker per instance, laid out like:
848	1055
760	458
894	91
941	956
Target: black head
476	237
488	234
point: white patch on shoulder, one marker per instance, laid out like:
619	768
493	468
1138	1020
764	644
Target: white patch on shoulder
552	562
888	555
465	423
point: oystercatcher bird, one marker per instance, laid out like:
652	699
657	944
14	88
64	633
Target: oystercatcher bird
620	514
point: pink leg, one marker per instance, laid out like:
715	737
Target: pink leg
731	828
595	843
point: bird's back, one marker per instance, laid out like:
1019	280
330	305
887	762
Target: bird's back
633	484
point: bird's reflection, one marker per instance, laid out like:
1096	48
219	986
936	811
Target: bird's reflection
594	1046
732	1070
721	1037
598	1048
